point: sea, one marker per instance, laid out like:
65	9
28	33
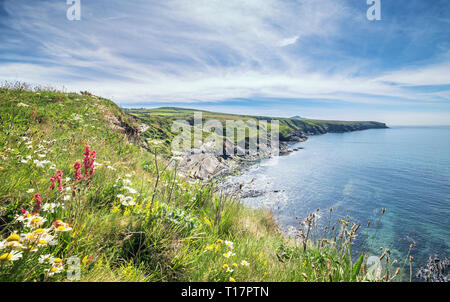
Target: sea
405	170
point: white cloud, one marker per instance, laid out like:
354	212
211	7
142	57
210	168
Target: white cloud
199	50
428	75
288	41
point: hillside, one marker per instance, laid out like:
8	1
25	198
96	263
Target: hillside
79	185
291	129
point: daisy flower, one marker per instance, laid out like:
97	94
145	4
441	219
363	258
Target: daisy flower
11	256
229	254
46	259
60	226
50	207
55	270
13	245
229	244
34	221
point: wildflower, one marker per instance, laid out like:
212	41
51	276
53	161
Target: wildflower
60	226
50	207
232	279
46	259
54	270
46	239
57	178
57	262
229	270
126	200
67	197
12	256
38	203
40	164
229	254
88	161
13	245
23	217
130	190
245	263
219	241
30	191
77	167
34	221
229	244
1	168
13	237
225	266
23	105
235	264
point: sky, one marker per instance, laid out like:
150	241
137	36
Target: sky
313	58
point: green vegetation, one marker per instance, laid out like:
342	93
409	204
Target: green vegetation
160	120
131	218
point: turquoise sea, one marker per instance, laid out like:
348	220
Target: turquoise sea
403	169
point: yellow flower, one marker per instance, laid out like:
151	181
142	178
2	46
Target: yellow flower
39	231
53	269
1	168
232	279
245	263
85	260
225	266
57	261
229	254
12	256
13	237
219	241
5	257
235	264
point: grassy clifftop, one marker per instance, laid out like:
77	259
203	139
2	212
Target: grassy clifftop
290	128
77	191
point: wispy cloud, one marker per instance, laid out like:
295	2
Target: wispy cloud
210	51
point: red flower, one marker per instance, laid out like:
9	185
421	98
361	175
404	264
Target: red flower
57	177
88	161
24	212
37	206
77	167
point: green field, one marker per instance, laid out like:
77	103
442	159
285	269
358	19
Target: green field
160	120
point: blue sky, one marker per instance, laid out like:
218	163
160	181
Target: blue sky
314	58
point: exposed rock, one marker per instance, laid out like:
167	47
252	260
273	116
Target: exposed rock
436	270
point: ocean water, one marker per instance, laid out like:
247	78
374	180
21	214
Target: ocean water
403	169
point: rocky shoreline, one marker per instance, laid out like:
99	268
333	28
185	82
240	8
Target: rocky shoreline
204	165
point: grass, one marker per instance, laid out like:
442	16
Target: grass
160	121
134	219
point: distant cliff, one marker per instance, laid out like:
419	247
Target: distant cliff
292	129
